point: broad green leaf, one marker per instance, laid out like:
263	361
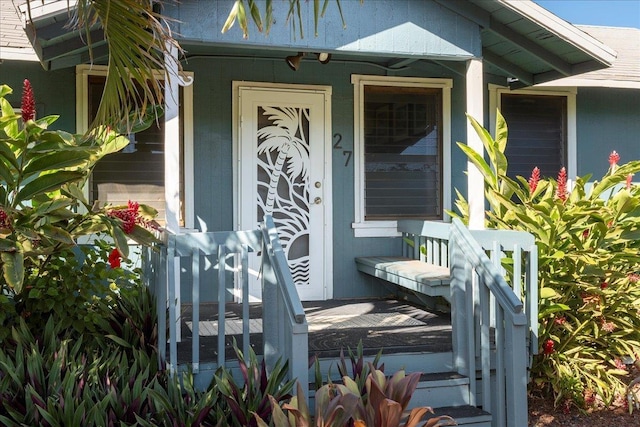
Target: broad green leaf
53	205
56	233
501	132
13	269
120	240
479	162
10	128
6	174
546	293
46	183
44	122
5	90
53	141
55	160
554	308
8	155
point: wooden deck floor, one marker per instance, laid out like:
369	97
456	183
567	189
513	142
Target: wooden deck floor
391	325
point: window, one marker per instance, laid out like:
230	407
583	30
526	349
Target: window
402	135
542	129
136	172
537	133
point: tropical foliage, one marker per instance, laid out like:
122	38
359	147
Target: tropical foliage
43	210
588	238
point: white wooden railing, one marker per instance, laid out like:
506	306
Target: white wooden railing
284	323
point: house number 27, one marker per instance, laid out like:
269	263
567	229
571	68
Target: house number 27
337	137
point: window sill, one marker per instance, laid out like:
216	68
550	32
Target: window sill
375	229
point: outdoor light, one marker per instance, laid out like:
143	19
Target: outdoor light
294	61
323	57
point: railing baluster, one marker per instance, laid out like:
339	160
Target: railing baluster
173	339
500	400
471	335
517	270
222	295
195	310
161	301
246	321
532	297
485	347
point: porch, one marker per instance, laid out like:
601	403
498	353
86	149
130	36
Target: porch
386	324
473	360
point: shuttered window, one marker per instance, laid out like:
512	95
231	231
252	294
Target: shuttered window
137	172
402	152
537	133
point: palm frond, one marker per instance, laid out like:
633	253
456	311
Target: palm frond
138	39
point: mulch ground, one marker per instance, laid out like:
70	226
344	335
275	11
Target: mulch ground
543	413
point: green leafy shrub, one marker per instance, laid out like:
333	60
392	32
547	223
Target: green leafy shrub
42	207
588	239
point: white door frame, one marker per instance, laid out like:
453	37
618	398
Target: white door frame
327	204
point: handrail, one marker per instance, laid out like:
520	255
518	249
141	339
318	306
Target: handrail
482	302
490	275
284	326
276	254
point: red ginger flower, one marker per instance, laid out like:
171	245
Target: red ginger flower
28	102
561	191
548	347
129	216
629	178
114	258
533	181
614	158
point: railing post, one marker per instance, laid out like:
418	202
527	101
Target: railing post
460	274
516	378
270	309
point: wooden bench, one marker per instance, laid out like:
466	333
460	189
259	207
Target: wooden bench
411	274
423	268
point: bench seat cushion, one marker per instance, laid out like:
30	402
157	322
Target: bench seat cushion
418	276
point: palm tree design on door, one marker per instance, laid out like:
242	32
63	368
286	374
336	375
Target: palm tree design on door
283	177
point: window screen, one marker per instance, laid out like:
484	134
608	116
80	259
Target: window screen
537	133
403	152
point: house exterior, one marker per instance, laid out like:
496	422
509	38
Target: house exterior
339	150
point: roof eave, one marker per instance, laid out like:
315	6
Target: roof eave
576	37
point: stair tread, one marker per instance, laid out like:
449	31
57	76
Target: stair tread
441	376
461	412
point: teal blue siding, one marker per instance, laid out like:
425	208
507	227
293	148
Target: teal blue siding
607	120
54	91
408	28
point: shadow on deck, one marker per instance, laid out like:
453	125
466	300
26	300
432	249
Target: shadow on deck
391	325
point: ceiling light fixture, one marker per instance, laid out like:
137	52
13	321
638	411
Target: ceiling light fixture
323	57
294	61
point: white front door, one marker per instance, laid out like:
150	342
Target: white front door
285	171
